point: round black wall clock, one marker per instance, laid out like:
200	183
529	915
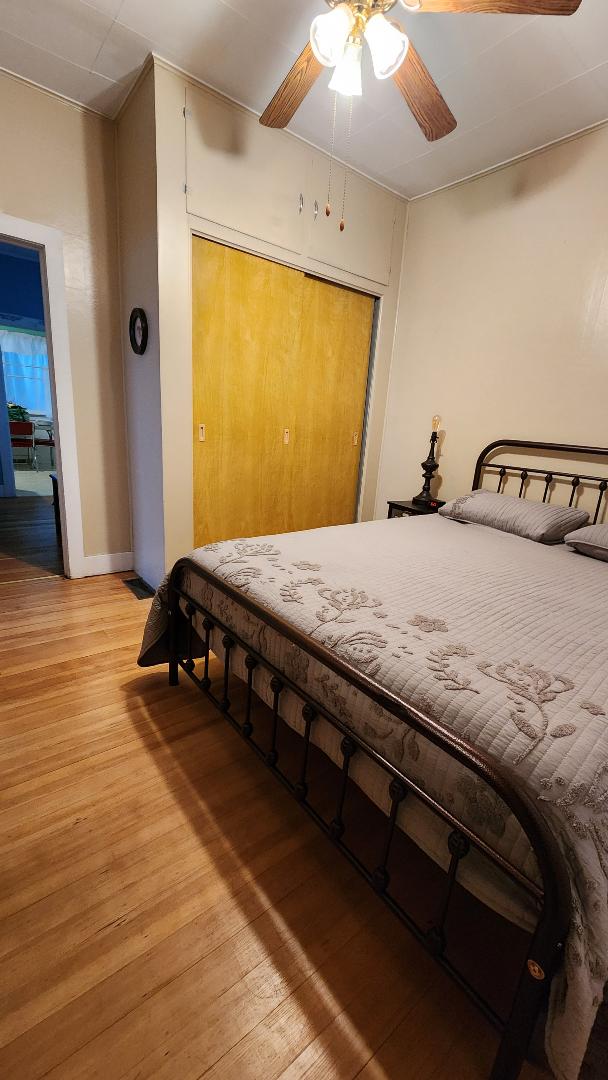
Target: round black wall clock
138	331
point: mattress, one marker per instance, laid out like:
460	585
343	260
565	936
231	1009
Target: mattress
504	641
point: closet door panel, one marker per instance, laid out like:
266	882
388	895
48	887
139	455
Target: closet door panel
328	404
280	366
364	248
245	310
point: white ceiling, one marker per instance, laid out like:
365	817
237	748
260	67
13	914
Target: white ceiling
513	82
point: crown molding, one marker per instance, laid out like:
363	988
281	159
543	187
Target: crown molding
55	94
535	152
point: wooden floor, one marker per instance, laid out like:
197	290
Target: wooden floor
28	541
167	910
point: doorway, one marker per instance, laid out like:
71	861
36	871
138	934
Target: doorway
30	532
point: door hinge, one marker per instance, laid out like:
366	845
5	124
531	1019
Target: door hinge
185	189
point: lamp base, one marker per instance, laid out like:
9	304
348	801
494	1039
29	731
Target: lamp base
429	468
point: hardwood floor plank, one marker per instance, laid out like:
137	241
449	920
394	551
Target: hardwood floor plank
277	931
68	909
190	1051
451	1019
97	1011
355	1005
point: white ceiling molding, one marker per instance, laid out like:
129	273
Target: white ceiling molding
512	161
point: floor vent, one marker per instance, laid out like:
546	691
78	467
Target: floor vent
139	588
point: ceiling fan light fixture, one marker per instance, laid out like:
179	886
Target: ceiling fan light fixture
346	78
329	34
388	45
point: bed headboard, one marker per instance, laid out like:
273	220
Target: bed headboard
573	483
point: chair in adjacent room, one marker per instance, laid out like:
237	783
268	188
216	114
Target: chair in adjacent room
23	438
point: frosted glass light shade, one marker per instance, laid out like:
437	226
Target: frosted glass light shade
346	79
329	33
388	45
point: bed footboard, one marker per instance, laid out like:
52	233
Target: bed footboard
552	897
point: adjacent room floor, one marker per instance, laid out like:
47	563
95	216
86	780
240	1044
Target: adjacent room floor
33	481
167	910
29	547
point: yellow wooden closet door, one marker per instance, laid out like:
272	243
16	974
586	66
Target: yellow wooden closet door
246	314
274	350
328	395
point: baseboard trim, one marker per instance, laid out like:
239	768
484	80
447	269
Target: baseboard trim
94	565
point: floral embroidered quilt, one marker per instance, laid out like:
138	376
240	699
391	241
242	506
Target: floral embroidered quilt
502	639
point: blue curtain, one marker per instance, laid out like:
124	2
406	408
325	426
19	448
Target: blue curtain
26	371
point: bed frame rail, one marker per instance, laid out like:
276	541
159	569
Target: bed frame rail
552	899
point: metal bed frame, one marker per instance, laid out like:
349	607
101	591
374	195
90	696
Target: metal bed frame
552	898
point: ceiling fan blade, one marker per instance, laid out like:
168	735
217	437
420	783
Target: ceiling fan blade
423	97
293	90
503	7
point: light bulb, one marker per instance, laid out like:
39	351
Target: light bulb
436	423
328	34
346	78
388	45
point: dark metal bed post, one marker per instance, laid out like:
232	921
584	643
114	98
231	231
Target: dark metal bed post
173	616
544	958
529	1000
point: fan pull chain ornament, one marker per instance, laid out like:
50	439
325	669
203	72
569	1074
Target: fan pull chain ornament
331	156
348	132
337	39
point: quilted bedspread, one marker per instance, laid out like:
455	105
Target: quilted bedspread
501	639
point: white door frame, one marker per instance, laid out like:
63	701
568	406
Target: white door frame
50	244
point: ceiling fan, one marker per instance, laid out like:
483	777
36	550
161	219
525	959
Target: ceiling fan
336	41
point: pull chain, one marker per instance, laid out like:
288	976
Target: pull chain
348	131
331	155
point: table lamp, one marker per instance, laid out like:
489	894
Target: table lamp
429	468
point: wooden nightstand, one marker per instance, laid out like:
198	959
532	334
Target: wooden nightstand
411	509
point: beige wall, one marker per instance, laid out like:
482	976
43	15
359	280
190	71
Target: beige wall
59	170
175	313
136	171
503	316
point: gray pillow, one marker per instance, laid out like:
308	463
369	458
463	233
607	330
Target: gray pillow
591	541
532	520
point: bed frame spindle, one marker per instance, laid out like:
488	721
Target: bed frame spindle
336	826
381	876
